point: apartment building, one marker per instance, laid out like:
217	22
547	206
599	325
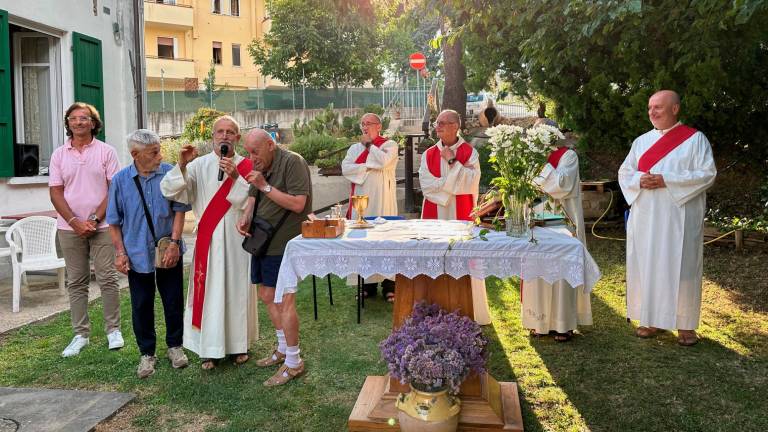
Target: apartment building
183	37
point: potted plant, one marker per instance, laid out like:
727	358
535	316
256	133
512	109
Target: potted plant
518	154
433	352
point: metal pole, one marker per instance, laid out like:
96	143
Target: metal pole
162	87
408	156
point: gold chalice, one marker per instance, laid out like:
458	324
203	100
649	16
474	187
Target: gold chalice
360	203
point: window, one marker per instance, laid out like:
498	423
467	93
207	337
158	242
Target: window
217	52
37	92
216	6
235	54
165	47
234	7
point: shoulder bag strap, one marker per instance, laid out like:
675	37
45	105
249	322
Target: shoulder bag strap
146	210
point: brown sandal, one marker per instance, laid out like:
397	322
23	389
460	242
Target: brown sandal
687	338
239	359
647	332
564	337
536	335
209	364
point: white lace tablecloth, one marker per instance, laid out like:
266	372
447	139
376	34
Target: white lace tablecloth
431	247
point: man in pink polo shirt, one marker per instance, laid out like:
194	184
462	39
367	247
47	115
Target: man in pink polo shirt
79	176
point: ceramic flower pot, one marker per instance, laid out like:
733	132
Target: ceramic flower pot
516	216
428	411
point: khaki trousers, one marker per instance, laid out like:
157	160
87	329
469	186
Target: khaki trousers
77	253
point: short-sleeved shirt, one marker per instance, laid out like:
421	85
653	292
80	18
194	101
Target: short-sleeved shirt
290	174
84	175
126	210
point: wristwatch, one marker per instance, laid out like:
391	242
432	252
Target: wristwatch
451	161
267	189
94	218
177	242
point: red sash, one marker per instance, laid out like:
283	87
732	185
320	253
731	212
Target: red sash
554	157
465	202
668	142
378	142
212	215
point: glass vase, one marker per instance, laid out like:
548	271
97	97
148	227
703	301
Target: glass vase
516	215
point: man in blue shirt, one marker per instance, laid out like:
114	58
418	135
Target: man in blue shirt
135	200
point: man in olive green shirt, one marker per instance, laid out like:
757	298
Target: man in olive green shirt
280	182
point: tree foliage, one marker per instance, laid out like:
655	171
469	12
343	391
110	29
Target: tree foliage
322	43
600	61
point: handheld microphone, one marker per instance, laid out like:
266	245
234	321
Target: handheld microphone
224	150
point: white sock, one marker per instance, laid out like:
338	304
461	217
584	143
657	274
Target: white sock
292	359
281	344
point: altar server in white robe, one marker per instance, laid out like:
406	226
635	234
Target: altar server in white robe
664	179
449	176
558	307
216	315
370	167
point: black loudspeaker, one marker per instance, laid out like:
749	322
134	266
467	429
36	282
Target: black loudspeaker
26	158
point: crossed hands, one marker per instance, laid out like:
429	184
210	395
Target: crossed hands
83	229
652	181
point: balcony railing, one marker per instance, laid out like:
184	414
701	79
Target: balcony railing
178	14
169	68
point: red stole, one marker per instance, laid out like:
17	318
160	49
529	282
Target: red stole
378	142
668	142
554	157
465	202
212	215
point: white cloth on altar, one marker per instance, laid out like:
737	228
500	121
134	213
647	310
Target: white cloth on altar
665	233
227	288
375	178
557	306
456	180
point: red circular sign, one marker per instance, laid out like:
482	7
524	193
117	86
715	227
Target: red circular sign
417	61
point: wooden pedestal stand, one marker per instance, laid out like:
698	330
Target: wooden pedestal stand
486	404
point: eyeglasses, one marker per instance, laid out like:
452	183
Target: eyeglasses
225	132
81	119
442	123
366	124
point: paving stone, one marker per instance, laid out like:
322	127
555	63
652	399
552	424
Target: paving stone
43	410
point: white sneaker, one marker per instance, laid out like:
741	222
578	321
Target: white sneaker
115	340
74	347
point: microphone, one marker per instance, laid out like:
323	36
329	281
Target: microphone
224	150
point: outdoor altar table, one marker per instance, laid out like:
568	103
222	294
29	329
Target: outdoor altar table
433	260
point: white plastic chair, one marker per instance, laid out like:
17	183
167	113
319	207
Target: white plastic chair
33	239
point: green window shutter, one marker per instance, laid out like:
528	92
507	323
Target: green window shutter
6	100
89	76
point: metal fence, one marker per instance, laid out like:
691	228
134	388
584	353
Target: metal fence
279	99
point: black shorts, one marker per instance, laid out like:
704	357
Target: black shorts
264	270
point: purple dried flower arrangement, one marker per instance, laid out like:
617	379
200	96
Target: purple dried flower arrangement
434	349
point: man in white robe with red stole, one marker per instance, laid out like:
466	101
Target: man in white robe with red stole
664	179
449	176
370	166
558	307
216	315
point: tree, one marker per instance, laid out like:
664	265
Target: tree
320	43
600	61
209	82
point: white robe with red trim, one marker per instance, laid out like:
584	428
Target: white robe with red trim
456	180
375	178
559	307
224	327
665	233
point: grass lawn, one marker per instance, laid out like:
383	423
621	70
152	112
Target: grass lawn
604	380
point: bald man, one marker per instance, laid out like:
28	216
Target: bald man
449	176
280	190
664	178
216	318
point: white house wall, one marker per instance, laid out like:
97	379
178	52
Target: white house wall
61	18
